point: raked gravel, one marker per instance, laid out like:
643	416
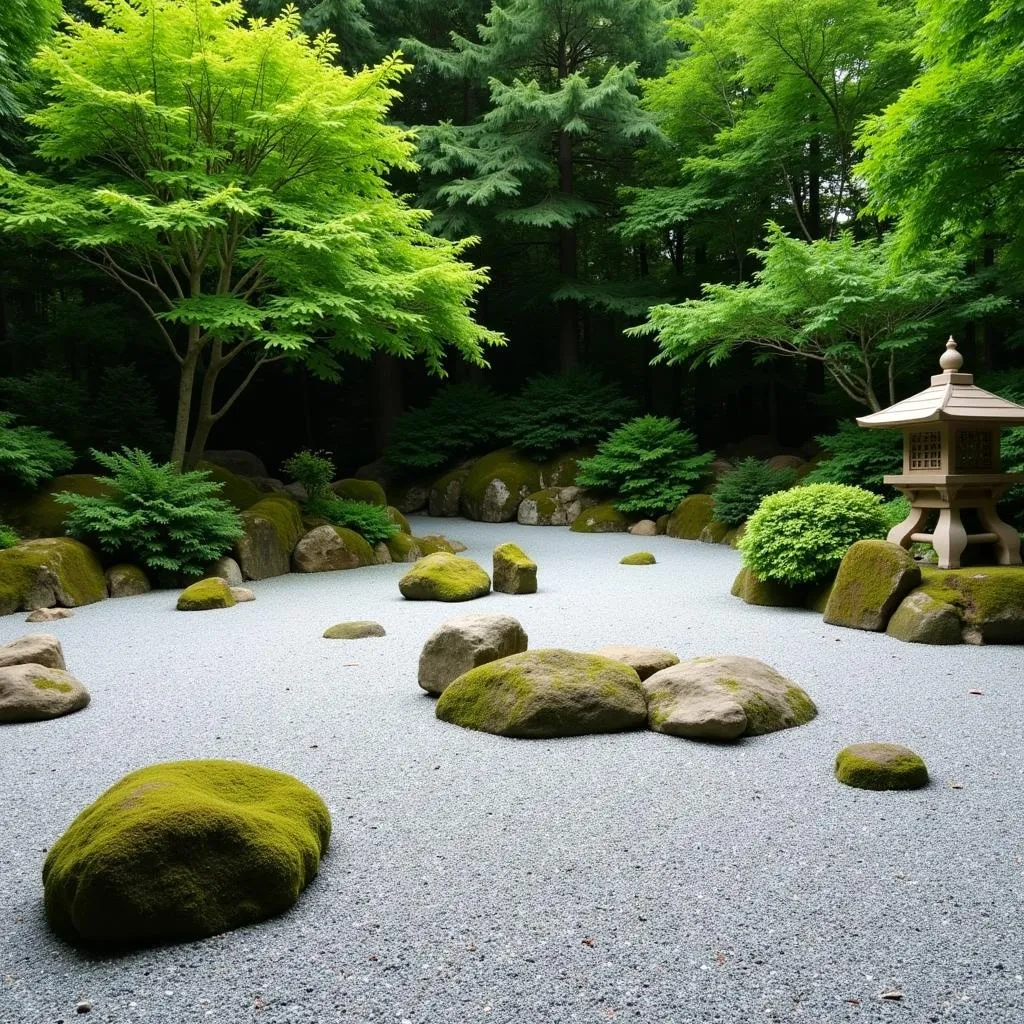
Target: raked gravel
606	878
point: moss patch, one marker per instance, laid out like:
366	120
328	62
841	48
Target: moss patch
357	545
691	516
360	490
601	519
638	558
880	766
182	851
52	684
205	595
354	630
921	619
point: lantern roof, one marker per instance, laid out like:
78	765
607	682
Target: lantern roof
952	397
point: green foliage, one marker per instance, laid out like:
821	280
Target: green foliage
895	511
8	537
739	492
460	420
314	470
558	412
859	457
30	456
372	522
801	535
171	522
1010	385
24	24
649	463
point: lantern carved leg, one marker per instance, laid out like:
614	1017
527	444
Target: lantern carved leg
949	538
1008	539
902	533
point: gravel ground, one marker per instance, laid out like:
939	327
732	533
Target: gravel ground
625	877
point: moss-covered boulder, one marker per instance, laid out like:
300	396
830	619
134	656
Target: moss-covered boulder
561	471
47	572
459	645
272	527
40	514
183	851
444	577
404	548
126	580
514	571
767	593
638	558
661	525
329	548
989	601
398	518
644	528
690	517
496	484
880	766
205	595
921	619
714	533
360	490
32	693
237	490
645	661
874	577
359	630
553	506
446	493
724	698
409	498
601	519
434	542
546	693
735	535
816	595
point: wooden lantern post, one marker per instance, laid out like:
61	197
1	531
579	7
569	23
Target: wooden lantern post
951	463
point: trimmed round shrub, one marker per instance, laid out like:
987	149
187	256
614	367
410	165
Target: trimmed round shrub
801	535
740	491
649	463
859	457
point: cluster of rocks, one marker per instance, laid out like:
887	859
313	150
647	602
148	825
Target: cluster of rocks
448	577
34	681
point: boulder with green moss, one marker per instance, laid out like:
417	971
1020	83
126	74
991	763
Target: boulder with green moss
237	490
329	548
446	493
817	595
690	516
404	548
184	850
444	577
206	595
496	484
552	506
459	645
601	519
921	619
638	558
989	601
645	661
514	571
359	630
40	514
546	693
734	536
272	527
880	766
767	593
47	572
561	471
874	577
360	490
397	517
126	580
724	698
434	542
32	693
714	533
409	498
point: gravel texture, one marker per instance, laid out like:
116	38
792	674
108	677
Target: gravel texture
623	877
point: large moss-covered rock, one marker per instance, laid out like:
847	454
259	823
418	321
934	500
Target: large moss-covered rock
206	595
514	571
328	548
714	533
126	580
47	572
561	471
404	548
921	619
690	517
989	601
398	518
444	577
552	506
446	493
874	577
409	498
238	490
360	490
40	514
32	693
459	645
767	593
546	693
880	766
272	527
724	698
496	484
600	519
434	542
182	851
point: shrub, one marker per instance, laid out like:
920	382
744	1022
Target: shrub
896	510
801	535
740	491
649	463
554	413
8	538
1010	385
459	420
372	522
314	470
29	455
859	457
171	522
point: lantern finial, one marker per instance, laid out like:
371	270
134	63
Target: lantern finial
951	360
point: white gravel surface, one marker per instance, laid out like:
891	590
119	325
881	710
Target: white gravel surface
475	878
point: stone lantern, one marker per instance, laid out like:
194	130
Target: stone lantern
951	463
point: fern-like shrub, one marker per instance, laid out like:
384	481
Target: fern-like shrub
314	470
8	538
30	456
649	463
554	413
859	457
173	523
801	535
740	491
460	420
372	522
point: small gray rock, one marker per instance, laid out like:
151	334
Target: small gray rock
33	649
242	594
461	644
644	528
227	569
48	614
